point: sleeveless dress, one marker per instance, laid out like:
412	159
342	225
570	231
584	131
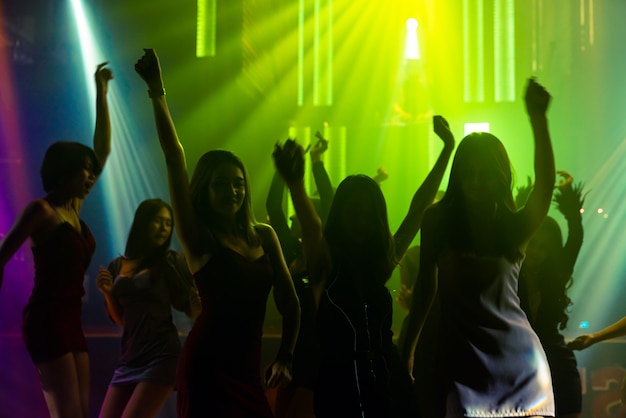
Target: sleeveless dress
566	380
150	344
219	366
360	373
51	321
496	364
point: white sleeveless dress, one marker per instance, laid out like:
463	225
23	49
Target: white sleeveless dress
496	366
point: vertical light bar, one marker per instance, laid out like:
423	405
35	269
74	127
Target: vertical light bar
323	59
206	27
504	50
474	50
591	26
583	44
480	51
467	93
329	59
411	43
316	55
533	37
301	54
337	152
343	152
293	132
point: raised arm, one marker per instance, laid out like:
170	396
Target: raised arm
287	304
425	194
614	330
274	205
322	181
102	132
289	160
187	229
569	201
424	290
537	101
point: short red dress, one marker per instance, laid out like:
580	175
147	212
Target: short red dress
51	321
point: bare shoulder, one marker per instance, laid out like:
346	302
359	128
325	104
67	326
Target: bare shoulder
39	211
266	233
36	220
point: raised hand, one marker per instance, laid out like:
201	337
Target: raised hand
149	69
569	197
442	129
566	179
289	160
381	175
320	147
104	281
102	77
537	98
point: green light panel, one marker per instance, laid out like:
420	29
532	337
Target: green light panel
473	51
206	28
504	50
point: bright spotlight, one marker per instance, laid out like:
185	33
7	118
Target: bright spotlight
124	182
411	48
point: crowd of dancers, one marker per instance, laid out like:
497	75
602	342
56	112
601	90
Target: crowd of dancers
485	291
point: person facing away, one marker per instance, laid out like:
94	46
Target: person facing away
295	400
545	277
472	246
349	262
139	289
62	247
235	262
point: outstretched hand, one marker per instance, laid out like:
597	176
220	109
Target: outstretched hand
581	342
289	161
102	77
149	69
537	98
442	129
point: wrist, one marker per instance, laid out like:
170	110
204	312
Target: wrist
155	92
285	357
538	117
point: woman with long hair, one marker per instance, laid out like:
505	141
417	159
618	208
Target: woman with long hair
349	261
235	262
140	288
545	279
472	247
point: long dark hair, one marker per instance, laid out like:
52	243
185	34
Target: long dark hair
200	183
550	276
378	255
138	245
488	151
